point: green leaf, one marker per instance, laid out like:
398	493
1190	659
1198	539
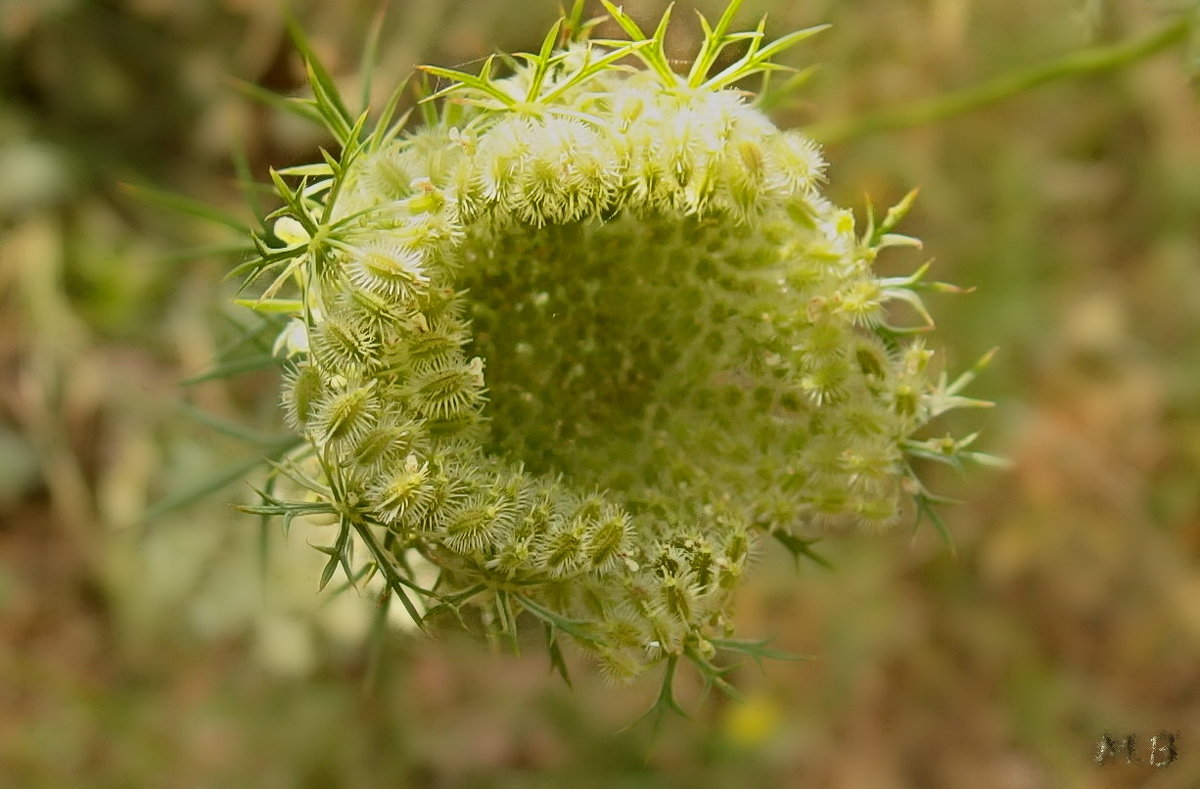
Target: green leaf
482	83
344	547
571	627
327	573
239	432
543	61
925	510
714	675
557	662
453	604
423	96
328	98
379	633
660	35
990	460
370	56
787	42
726	20
260	336
303	108
665	703
184	205
264	533
799	547
311	170
237	249
209	485
394	582
250	189
507	619
1075	64
653	55
771	98
290	471
894	215
295	509
967	377
913	300
328	550
272	306
385	130
293	200
267	259
592	69
574	28
327	105
756	650
759	59
624	20
232	368
715	40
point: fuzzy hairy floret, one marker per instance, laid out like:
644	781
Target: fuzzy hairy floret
586	335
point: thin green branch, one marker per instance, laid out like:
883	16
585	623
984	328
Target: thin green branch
395	581
1096	60
225	476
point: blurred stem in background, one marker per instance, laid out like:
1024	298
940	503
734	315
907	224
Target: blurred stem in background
1086	62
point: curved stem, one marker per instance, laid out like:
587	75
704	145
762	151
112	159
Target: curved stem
1088	61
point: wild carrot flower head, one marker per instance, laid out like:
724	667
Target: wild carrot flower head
586	336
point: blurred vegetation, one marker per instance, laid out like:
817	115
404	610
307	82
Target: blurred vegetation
177	652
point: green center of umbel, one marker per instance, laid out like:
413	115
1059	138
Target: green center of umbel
593	331
662	356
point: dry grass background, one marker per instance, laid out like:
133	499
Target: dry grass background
158	654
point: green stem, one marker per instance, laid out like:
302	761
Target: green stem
568	626
394	580
1089	61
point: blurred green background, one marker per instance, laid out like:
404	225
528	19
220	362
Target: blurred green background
168	654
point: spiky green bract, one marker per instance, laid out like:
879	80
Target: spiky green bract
584	336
